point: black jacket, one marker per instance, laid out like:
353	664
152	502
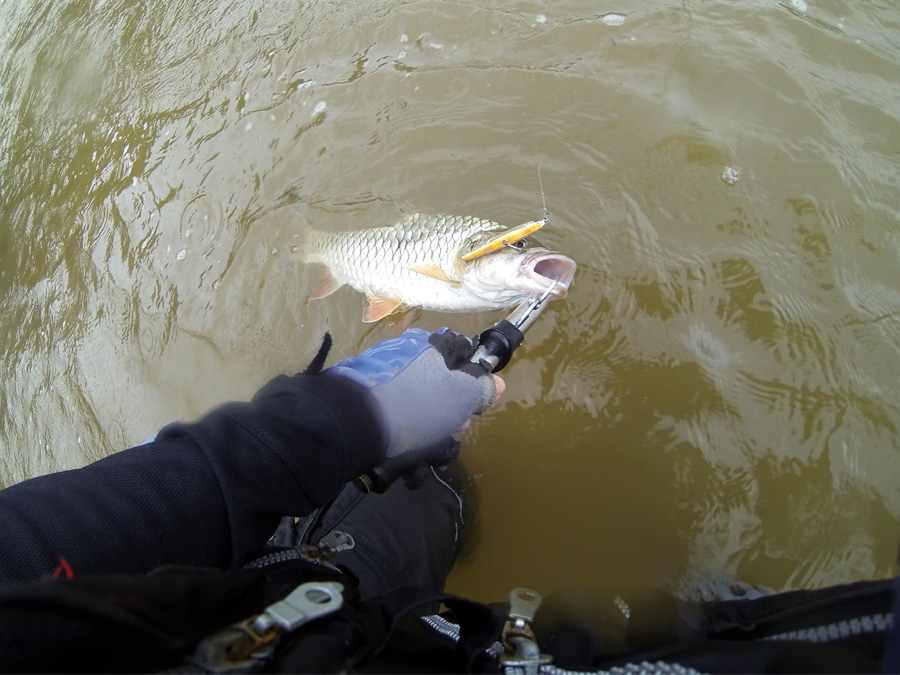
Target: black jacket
204	494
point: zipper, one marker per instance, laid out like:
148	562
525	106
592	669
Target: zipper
841	630
441	625
284	556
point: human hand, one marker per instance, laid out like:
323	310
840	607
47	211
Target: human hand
424	384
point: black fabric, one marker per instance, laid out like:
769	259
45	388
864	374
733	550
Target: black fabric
119	623
589	633
142	623
457	351
204	494
403	643
891	662
402	537
583	636
797	610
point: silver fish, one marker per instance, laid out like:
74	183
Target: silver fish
418	263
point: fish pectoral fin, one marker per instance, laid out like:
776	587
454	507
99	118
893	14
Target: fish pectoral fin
326	286
435	271
379	307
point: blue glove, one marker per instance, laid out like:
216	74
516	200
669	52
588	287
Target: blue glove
424	384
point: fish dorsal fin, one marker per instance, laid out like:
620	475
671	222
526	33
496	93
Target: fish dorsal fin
435	271
326	286
379	307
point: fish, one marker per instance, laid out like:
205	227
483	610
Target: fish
420	262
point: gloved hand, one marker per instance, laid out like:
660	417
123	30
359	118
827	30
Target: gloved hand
424	384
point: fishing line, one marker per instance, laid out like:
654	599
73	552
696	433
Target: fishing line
543	201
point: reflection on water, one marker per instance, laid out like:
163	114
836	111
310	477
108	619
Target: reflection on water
718	393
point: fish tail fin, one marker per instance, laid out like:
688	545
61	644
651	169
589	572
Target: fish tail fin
328	283
305	233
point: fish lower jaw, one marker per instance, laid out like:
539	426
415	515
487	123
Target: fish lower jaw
460	308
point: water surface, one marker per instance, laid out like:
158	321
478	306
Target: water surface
720	392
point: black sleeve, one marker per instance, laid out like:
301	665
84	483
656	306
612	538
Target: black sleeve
203	494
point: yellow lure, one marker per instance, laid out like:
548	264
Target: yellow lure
505	238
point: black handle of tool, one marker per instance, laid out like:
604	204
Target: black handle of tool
380	478
495	346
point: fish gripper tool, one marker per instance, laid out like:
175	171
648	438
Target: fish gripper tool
495	346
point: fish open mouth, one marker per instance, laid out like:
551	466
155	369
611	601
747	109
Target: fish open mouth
558	268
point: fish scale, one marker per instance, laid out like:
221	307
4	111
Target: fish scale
376	261
418	262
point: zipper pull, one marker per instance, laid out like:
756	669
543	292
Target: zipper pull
518	638
245	646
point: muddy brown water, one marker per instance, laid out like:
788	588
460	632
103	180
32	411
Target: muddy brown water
719	395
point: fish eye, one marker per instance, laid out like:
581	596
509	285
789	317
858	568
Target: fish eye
521	244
